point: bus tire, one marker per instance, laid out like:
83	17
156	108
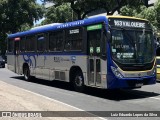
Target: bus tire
26	73
78	81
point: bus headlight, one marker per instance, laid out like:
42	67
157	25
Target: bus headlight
116	72
154	71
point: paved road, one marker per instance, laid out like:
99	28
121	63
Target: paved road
19	104
146	98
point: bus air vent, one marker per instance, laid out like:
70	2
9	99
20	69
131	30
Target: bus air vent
57	75
62	75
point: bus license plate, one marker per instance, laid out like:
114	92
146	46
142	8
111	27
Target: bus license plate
139	84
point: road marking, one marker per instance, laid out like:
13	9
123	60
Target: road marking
51	99
155	98
45	88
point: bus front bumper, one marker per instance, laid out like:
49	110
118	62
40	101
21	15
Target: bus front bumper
130	82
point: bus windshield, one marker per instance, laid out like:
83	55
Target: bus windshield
132	46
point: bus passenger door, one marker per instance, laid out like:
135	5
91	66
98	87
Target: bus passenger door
16	53
94	51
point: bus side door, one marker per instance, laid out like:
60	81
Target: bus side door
96	66
16	53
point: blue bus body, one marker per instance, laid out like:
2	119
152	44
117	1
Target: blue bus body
114	76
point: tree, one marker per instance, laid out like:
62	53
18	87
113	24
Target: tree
157	12
62	13
83	7
14	14
150	13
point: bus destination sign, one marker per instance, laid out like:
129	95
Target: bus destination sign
120	23
130	23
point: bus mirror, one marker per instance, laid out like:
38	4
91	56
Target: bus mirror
108	35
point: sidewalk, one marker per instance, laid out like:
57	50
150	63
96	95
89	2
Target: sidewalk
13	98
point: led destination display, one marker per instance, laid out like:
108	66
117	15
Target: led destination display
130	23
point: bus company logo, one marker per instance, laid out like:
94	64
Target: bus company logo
30	59
73	58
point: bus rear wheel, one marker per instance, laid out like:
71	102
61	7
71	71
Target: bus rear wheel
26	73
78	81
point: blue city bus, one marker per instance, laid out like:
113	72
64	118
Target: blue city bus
107	52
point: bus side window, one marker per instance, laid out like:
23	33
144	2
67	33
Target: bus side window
56	41
30	43
73	39
22	44
41	43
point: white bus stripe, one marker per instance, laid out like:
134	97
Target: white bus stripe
155	98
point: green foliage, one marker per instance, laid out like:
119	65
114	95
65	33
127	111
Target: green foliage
157	10
3	43
62	13
150	13
25	27
83	7
15	15
127	11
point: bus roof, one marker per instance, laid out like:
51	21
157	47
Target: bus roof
87	21
127	17
47	28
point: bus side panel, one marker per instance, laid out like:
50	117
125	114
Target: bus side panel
82	62
21	62
104	73
11	62
30	60
39	66
58	67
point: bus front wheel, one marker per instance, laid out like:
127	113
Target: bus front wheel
26	73
78	81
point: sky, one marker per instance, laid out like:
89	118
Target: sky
39	1
38	22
